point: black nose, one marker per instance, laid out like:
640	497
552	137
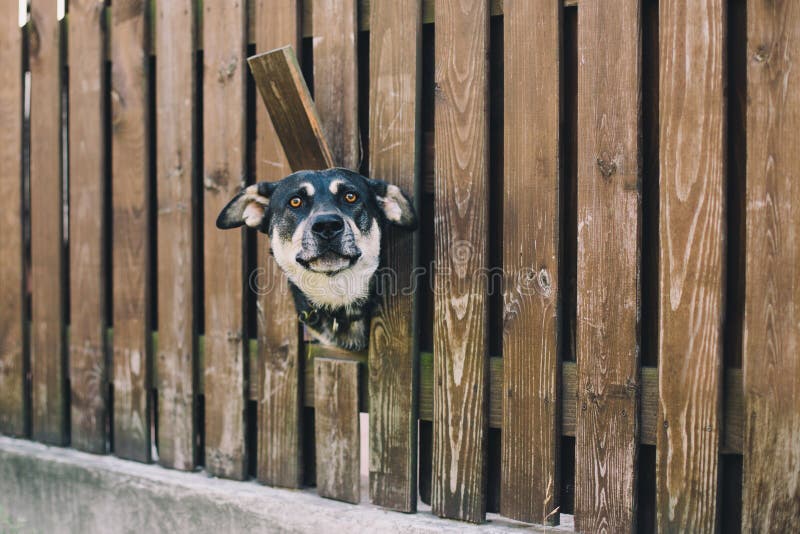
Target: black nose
327	226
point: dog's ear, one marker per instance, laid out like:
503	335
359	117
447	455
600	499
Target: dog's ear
249	207
394	203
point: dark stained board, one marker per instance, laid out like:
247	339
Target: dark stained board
530	444
130	214
176	167
223	177
280	363
12	369
394	94
460	342
608	219
294	118
772	335
336	425
691	259
336	77
48	362
87	233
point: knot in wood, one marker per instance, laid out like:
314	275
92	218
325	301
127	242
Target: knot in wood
606	165
762	53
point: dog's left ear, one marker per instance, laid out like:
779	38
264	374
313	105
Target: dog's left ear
395	204
249	207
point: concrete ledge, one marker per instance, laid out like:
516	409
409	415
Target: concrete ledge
49	489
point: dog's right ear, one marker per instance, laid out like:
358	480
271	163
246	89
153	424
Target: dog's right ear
249	207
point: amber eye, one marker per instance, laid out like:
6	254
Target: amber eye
296	202
350	197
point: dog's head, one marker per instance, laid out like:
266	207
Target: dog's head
324	228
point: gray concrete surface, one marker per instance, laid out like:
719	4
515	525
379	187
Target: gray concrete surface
53	490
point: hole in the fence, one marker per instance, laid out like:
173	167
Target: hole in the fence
730	497
198	294
363	101
426	239
251	238
251	437
309	449
26	233
425	461
201	430
493	470
646	510
363	428
567	474
152	200
306	60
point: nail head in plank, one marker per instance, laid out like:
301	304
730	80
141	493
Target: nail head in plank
336	425
175	361
771	500
395	64
609	101
460	418
12	366
48	362
224	169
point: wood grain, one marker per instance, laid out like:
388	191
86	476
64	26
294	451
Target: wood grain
87	193
394	94
336	425
280	364
772	334
609	197
530	444
336	78
691	259
176	123
461	252
294	117
130	213
50	417
224	168
12	366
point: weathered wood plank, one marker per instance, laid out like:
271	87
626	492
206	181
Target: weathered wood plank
609	51
530	444
175	361
691	259
336	78
294	118
48	362
130	213
461	219
336	425
88	183
223	167
12	366
280	364
772	336
394	94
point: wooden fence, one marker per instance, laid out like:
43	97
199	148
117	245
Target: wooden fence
605	319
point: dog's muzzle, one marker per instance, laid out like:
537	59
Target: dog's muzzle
328	245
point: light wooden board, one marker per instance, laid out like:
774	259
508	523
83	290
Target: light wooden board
606	441
223	168
280	363
461	228
691	259
772	336
395	64
130	214
530	483
336	78
12	366
176	123
48	362
336	425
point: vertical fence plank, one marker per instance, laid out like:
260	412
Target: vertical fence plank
48	365
395	63
461	226
772	336
279	355
12	370
530	441
336	77
692	193
609	50
130	192
223	168
87	162
175	362
336	427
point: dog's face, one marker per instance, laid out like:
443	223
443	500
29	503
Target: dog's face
324	228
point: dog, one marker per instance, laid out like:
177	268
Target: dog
325	232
